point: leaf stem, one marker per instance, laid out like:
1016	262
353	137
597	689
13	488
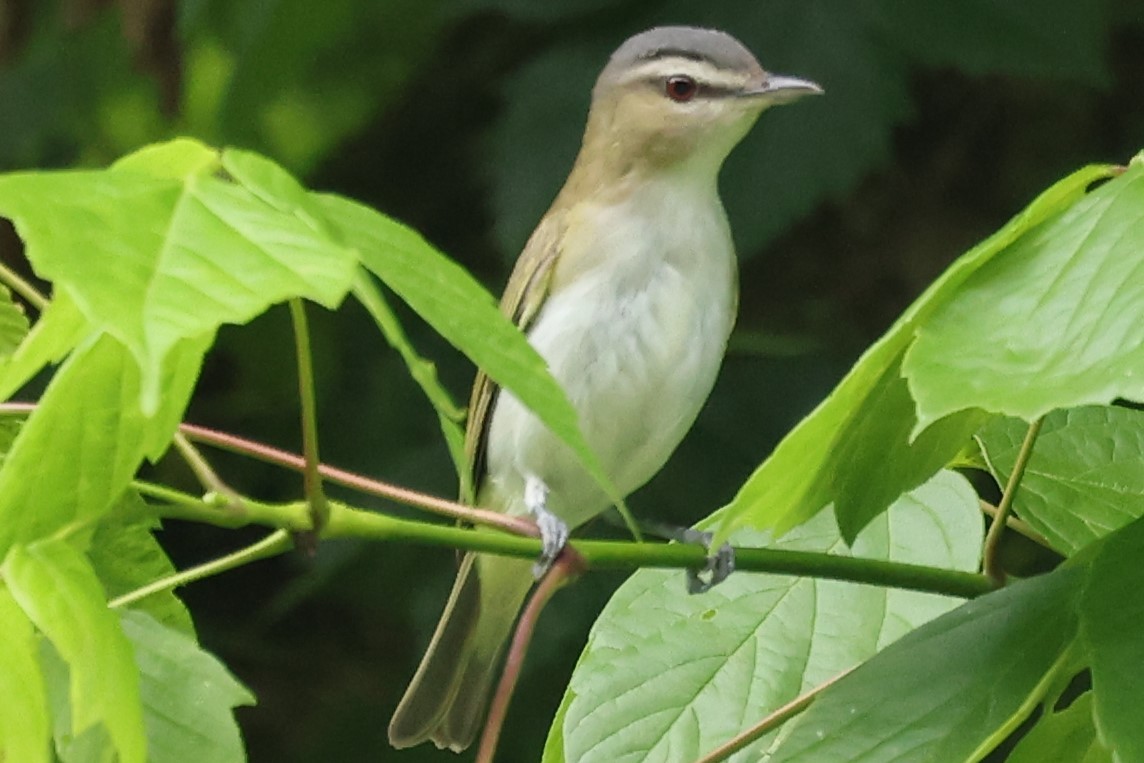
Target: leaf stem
311	474
1016	525
18	284
273	544
771	722
205	473
179	505
991	563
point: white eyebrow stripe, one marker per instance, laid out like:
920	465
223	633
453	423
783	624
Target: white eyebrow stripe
703	72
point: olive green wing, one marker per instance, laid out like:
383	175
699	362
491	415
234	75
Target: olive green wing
523	296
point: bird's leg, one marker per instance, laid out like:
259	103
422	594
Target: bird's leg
719	565
553	530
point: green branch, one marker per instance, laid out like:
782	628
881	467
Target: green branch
348	522
991	562
273	544
311	475
30	293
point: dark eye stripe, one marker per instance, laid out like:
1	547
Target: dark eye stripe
703	89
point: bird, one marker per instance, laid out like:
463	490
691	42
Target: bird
628	289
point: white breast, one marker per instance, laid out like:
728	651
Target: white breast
636	341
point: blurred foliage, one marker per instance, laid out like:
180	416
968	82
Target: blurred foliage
461	118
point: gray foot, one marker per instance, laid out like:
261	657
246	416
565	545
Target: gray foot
553	530
719	565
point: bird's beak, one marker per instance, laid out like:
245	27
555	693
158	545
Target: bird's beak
776	88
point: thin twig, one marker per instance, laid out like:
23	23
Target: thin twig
358	523
18	284
771	722
206	474
435	504
271	455
275	543
991	563
1016	525
567	566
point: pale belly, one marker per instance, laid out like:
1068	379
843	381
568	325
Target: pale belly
637	354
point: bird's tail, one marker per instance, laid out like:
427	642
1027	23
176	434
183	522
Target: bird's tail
446	699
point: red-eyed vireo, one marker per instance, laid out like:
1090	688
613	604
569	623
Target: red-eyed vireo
627	289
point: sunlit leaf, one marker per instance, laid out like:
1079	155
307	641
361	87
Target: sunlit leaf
666	676
25	732
1086	474
155	259
76	453
864	445
59	329
462	311
54	584
13	324
126	556
950	690
1056	322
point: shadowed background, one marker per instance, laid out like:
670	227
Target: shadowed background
940	121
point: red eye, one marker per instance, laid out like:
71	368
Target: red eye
681	88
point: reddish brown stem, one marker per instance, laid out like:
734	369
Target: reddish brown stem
271	455
567	566
771	722
362	484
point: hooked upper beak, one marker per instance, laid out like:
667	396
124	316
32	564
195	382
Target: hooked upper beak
779	89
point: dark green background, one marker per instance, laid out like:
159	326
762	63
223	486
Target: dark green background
461	118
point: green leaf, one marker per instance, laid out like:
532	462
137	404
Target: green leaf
188	696
461	311
666	676
25	730
854	450
13	324
177	159
865	445
1110	615
92	745
154	260
81	446
1085	478
1056	322
126	556
1068	736
57	588
424	372
59	329
952	689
